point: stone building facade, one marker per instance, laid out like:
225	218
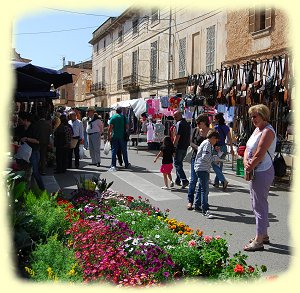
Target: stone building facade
256	33
150	52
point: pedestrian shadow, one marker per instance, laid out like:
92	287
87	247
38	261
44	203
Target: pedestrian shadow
279	249
231	188
236	215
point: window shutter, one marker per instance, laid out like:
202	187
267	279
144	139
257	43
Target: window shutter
182	57
251	20
268	21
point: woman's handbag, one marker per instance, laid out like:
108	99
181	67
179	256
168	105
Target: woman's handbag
24	152
74	142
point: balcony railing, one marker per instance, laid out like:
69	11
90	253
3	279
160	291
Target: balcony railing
130	83
98	88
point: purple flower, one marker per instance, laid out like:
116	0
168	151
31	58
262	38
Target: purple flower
166	274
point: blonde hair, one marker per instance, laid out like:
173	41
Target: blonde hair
262	110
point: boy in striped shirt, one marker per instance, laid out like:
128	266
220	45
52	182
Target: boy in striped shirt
202	166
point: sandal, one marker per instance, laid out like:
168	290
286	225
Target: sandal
254	246
266	240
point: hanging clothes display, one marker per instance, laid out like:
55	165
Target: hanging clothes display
150	107
159	129
150	131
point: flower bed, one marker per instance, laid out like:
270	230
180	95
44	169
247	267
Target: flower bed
110	237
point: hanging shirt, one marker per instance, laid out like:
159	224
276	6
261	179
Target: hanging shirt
150	132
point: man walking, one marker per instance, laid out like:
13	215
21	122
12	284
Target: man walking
78	135
118	125
181	143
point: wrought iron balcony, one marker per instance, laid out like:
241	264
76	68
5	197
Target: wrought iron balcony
130	83
98	88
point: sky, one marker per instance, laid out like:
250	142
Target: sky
48	35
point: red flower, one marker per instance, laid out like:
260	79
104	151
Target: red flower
250	269
239	269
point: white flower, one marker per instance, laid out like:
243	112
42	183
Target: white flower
157	236
135	242
133	222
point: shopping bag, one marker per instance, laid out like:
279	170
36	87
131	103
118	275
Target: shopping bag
106	148
189	154
81	151
24	152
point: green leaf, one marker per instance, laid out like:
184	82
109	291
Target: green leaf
19	189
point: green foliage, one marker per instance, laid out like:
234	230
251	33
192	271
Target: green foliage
47	217
54	261
186	258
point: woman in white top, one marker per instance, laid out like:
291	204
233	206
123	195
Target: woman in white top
258	158
94	130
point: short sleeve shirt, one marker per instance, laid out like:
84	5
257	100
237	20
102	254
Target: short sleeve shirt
184	130
223	131
117	120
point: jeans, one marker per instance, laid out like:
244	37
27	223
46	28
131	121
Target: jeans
116	144
35	160
203	178
218	167
192	187
178	163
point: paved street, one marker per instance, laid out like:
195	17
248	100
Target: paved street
231	209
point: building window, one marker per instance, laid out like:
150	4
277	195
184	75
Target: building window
119	81
182	57
153	62
210	48
97	76
103	76
104	44
135	26
259	19
120	36
154	15
134	66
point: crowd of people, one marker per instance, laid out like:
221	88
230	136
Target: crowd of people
67	133
210	148
209	144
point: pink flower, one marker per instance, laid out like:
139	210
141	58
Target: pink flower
207	238
192	243
218	237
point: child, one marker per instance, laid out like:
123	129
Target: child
166	151
203	161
